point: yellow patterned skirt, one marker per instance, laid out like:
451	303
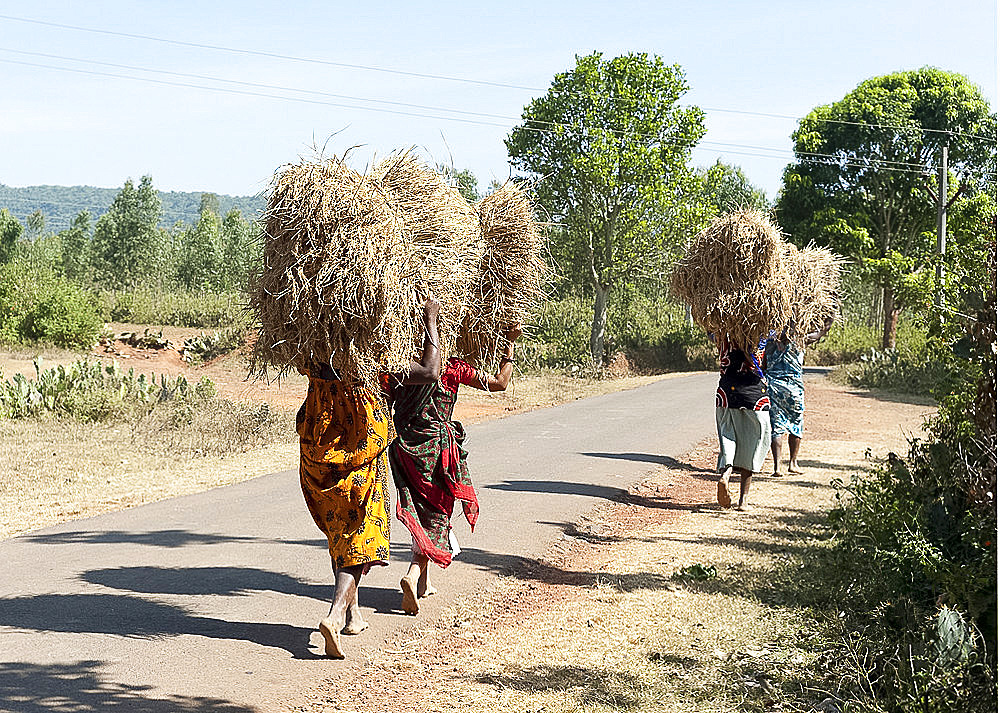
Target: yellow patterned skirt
344	431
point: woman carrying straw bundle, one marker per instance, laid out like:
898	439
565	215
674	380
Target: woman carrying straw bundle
741	418
344	433
429	465
783	362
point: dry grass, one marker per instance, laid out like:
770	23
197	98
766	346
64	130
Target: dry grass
59	470
815	276
346	257
507	286
734	278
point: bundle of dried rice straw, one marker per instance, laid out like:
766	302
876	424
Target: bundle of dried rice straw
507	285
815	276
734	278
345	257
443	231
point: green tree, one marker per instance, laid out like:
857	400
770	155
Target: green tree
35	225
727	188
864	166
201	253
241	250
75	244
610	145
10	233
126	241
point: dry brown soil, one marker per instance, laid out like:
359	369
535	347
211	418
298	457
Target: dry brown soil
602	623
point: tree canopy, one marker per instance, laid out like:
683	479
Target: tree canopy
609	144
864	165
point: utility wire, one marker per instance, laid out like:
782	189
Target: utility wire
438	77
440	113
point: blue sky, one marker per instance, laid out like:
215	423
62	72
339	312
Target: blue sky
776	58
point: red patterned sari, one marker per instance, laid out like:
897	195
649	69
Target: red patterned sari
428	461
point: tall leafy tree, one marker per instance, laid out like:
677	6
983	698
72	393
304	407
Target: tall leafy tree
75	246
727	188
864	165
126	238
201	253
10	233
241	250
609	143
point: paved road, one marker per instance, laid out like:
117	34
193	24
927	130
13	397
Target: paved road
209	602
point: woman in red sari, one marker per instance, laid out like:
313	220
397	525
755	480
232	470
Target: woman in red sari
429	465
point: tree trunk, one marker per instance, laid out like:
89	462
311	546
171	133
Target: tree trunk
890	318
599	326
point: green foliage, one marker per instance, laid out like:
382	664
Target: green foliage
869	201
200	258
651	332
38	306
181	308
10	233
126	239
926	371
609	143
696	573
205	347
91	391
917	536
75	246
727	188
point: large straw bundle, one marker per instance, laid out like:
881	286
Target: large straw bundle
507	286
733	277
333	288
443	232
815	276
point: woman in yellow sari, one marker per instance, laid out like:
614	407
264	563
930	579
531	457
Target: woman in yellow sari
344	431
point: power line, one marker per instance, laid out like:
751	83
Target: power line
440	113
271	55
438	77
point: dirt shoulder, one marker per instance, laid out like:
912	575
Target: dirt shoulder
608	621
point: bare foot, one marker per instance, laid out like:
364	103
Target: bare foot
724	499
776	473
329	629
424	587
355	623
409	588
793	469
744	507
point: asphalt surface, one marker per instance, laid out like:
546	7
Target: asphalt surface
209	602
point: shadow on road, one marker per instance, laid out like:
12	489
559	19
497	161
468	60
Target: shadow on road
561	487
134	617
227	581
667	461
154	538
536	570
80	688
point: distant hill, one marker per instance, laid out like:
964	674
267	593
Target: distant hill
60	204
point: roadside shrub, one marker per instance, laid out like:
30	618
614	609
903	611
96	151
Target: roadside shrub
90	391
651	332
848	342
181	308
38	306
930	370
205	347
